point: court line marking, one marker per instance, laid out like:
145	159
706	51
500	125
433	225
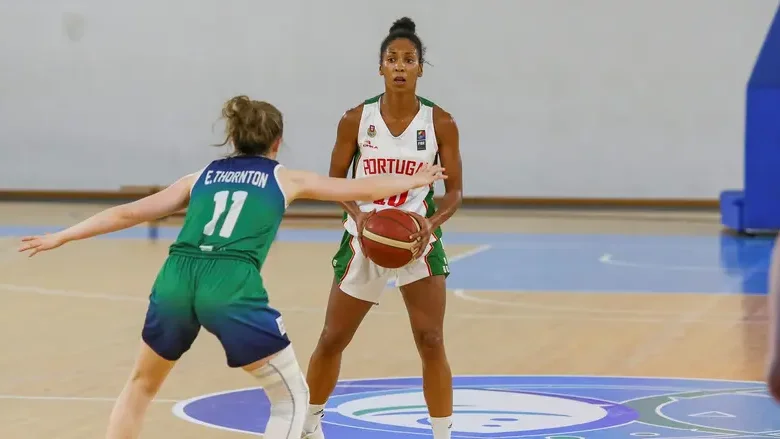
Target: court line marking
634	292
411	385
461	293
608	259
468	296
662	340
581	316
77	398
470	253
69	293
178	408
115	297
452	260
519	240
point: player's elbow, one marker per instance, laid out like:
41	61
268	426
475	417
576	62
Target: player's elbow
146	209
126	213
338	171
456	195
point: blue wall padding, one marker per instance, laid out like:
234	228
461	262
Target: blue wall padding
761	204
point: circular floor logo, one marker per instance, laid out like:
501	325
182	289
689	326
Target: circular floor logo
544	407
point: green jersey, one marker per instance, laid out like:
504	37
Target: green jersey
236	207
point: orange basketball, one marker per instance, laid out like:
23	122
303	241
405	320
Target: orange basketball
385	238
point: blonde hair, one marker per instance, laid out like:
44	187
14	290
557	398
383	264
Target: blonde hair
251	126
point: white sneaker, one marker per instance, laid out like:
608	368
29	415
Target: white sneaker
316	434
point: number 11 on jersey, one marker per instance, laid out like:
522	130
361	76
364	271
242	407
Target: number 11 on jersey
220	204
394	201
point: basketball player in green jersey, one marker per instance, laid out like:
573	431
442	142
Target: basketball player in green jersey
392	134
212	275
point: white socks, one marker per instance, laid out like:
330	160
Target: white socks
441	427
312	427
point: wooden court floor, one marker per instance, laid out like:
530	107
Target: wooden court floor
70	322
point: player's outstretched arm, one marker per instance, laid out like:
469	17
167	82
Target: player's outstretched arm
309	185
164	203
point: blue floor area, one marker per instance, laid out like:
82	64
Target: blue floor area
571	262
515	407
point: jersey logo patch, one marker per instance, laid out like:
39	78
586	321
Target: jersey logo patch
367	144
420	140
371	131
280	324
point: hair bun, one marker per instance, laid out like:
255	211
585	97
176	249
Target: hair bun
236	106
403	24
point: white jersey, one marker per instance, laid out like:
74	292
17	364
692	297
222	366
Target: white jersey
379	152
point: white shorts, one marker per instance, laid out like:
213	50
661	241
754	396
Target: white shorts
362	279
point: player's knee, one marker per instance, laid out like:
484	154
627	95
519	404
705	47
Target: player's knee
145	384
286	389
430	341
333	341
285	386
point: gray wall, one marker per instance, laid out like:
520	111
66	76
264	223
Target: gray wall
574	98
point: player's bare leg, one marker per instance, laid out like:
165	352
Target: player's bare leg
342	319
147	377
426	301
773	372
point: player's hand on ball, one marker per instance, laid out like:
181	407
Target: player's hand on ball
37	244
428	174
423	236
360	221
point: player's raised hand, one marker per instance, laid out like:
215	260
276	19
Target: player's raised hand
37	244
427	174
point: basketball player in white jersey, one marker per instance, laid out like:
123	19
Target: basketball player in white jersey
394	133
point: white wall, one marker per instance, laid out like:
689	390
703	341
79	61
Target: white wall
572	98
